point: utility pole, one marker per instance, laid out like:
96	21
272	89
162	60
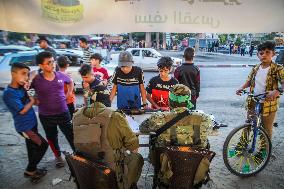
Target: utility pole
148	40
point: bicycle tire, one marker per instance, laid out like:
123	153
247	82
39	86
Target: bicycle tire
225	151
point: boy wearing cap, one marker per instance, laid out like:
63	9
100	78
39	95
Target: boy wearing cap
98	70
63	63
128	83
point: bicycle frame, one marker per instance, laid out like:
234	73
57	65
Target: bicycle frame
256	122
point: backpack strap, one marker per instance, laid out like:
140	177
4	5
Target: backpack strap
170	123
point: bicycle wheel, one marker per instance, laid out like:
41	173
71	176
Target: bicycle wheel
238	155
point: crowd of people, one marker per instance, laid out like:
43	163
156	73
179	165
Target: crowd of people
97	124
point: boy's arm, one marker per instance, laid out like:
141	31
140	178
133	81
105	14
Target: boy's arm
143	94
272	95
149	98
70	88
198	83
28	106
113	92
246	84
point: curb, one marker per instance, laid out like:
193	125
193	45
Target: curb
224	65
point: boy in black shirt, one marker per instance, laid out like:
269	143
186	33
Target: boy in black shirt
128	83
189	75
159	86
93	87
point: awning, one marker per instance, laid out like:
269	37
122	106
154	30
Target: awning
76	17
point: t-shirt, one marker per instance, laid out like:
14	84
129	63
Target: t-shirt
72	97
260	80
101	73
159	90
102	92
15	99
87	53
128	88
51	96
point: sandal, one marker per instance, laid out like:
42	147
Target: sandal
35	178
59	162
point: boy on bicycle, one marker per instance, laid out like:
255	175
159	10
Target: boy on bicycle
265	78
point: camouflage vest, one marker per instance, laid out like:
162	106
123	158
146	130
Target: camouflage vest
191	130
90	135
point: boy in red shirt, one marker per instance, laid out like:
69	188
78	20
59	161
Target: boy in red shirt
159	86
99	72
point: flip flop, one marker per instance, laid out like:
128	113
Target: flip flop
59	163
36	177
28	175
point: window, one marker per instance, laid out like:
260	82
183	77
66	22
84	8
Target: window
135	52
147	53
28	60
3	51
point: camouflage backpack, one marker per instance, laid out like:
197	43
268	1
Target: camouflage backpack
192	130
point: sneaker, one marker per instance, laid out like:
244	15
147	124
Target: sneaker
59	162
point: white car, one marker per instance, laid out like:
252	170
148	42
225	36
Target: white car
28	57
12	49
146	58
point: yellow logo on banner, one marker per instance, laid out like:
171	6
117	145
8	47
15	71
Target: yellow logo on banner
62	11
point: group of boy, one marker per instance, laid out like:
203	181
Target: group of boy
56	99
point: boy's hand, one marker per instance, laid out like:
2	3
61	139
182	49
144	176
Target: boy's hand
32	99
272	95
86	85
239	91
27	85
165	108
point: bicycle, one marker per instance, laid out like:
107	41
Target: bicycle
247	148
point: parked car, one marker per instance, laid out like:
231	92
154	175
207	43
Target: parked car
146	58
28	57
278	49
12	49
280	58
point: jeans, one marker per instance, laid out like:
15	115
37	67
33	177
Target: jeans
36	147
50	124
71	108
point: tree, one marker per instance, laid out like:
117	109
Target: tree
13	36
270	36
223	38
238	41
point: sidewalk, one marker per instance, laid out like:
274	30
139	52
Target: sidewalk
13	156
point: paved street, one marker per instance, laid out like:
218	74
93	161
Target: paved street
217	97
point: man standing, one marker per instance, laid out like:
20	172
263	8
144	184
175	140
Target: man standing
87	50
105	134
44	44
189	75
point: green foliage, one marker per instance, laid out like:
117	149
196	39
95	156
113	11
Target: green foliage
238	41
13	36
223	38
269	36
